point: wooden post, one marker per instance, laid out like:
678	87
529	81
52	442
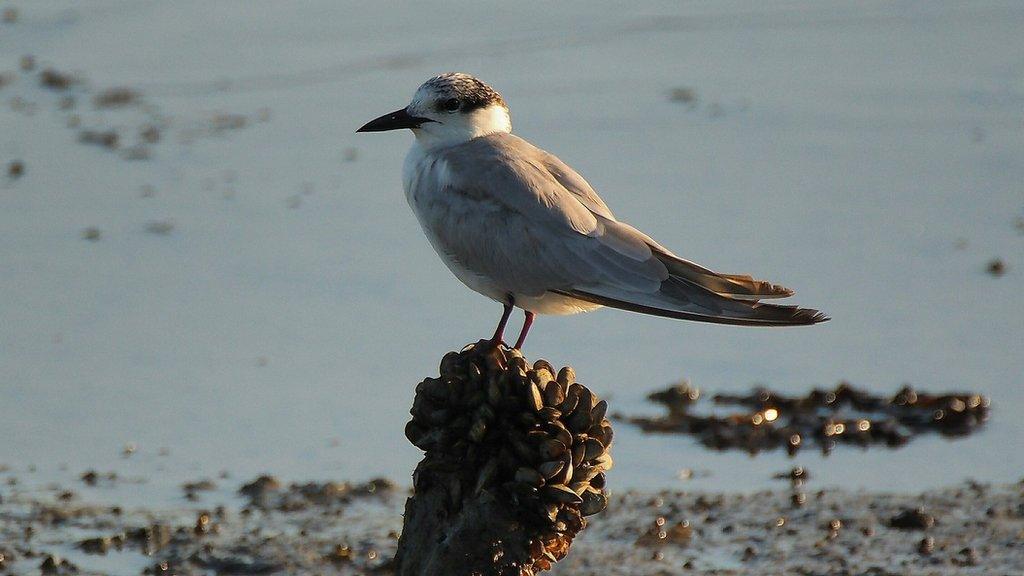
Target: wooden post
515	459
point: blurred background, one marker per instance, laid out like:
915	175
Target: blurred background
204	268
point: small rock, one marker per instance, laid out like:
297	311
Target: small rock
91	233
342	554
967	557
150	134
926	546
105	138
56	565
223	122
996	267
683	95
199	485
15	169
235	564
137	152
259	489
202	525
116	98
99	545
54	80
160	227
912	519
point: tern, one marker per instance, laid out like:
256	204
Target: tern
518	225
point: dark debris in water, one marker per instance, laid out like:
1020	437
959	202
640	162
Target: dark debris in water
56	80
768	420
116	98
267	492
996	267
912	519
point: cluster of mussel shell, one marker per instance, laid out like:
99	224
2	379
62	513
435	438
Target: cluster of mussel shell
528	433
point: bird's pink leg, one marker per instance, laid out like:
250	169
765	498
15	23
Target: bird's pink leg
499	332
527	322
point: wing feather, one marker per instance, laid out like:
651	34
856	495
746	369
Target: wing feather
529	202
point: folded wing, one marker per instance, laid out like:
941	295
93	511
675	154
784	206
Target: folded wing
537	205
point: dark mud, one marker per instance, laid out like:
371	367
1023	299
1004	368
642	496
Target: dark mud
768	420
306	528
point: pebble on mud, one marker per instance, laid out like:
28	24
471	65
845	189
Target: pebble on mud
150	134
91	234
227	121
912	519
199	485
260	487
53	564
15	169
845	414
160	227
683	95
968	556
102	544
93	478
926	546
660	533
105	138
116	98
996	267
137	152
55	80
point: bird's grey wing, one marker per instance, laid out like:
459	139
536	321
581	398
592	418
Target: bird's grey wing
688	291
571	249
504	208
573	182
735	285
741	286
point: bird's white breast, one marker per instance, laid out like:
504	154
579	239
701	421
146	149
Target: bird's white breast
425	180
428	189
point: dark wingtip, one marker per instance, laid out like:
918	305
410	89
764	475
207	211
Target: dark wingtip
818	317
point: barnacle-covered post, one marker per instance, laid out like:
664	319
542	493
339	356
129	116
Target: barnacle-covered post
515	459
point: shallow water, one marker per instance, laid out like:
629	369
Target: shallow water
868	157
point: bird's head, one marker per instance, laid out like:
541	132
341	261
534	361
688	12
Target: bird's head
448	109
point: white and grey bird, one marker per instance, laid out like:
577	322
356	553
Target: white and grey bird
519	226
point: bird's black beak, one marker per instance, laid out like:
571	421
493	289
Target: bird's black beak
393	121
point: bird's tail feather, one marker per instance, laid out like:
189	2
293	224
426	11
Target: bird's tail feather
670	302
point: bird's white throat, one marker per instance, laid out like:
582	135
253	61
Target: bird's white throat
452	129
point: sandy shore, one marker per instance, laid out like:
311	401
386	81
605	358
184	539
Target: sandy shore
268	527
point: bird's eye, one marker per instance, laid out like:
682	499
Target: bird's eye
451	104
